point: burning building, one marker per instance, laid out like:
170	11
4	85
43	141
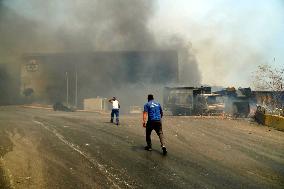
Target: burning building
72	77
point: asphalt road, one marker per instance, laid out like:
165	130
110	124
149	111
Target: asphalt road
46	149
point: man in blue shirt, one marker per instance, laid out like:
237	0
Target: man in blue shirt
154	111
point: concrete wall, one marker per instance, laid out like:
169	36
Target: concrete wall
270	120
95	104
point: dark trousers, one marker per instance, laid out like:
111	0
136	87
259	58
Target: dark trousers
157	126
116	113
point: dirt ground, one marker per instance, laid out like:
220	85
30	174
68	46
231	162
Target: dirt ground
46	149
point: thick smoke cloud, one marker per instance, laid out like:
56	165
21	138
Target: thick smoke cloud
15	32
188	65
104	25
79	25
71	25
87	26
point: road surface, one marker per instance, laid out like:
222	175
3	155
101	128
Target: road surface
46	149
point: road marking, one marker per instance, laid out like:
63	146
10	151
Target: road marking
111	177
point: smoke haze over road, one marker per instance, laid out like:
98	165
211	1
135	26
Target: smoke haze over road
78	26
219	43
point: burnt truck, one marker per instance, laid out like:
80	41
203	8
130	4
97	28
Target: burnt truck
212	104
237	101
201	101
185	100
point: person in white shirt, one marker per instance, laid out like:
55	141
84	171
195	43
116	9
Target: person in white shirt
115	110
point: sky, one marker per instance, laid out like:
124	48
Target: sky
229	38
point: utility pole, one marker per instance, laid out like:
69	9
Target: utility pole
67	89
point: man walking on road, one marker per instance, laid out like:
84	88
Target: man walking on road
154	111
115	110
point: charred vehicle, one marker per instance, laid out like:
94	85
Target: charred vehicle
237	102
178	100
210	104
186	100
59	106
200	101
